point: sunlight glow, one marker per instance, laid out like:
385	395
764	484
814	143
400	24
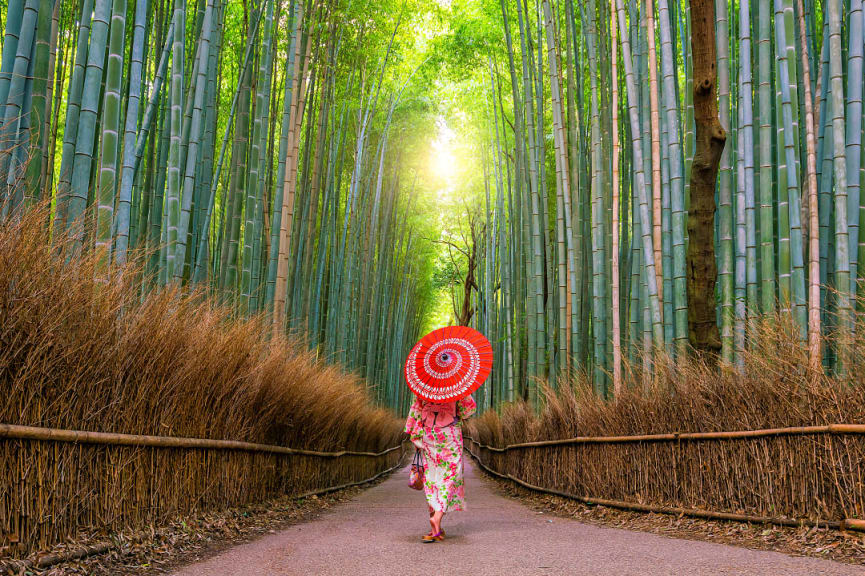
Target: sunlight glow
444	162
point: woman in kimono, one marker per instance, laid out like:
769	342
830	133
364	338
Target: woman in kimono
435	430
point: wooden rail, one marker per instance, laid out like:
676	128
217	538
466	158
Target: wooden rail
846	524
15	432
49	560
685	436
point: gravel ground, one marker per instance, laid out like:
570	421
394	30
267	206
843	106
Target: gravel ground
378	533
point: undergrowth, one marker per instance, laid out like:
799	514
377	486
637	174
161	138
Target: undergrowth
772	388
82	353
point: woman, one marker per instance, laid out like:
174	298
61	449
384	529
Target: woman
435	429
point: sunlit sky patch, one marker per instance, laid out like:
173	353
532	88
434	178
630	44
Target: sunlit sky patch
444	162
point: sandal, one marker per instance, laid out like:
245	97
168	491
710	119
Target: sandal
429	538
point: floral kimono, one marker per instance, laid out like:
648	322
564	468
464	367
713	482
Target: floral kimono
435	429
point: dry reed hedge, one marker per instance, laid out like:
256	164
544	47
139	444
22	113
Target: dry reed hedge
82	354
815	477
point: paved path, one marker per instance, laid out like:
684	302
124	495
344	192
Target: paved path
378	534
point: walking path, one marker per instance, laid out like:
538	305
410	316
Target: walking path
378	534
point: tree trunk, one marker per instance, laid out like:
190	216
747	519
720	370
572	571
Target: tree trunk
710	139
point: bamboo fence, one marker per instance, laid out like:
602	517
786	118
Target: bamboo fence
794	476
62	483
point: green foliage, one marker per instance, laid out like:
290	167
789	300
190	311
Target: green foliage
408	126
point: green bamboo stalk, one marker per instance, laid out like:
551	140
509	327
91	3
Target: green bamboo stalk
853	134
814	324
792	178
14	108
173	193
566	256
152	105
767	248
597	221
110	137
842	246
654	123
575	237
725	192
192	150
201	253
617	338
534	256
292	68
84	141
280	298
39	105
677	198
14	19
133	102
648	252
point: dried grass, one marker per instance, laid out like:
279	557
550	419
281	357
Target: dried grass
82	354
816	477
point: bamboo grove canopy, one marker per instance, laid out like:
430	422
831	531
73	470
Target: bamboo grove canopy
246	148
270	152
587	143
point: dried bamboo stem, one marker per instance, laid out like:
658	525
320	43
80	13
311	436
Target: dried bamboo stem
686	436
49	560
676	511
15	432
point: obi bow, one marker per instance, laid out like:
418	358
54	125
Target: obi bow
440	415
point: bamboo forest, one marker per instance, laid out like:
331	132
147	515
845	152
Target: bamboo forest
224	224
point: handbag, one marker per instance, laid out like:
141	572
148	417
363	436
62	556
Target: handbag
416	474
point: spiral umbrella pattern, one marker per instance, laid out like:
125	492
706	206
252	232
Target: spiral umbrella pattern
448	364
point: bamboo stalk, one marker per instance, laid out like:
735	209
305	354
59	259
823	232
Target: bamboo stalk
853	524
654	122
617	327
836	429
16	432
814	333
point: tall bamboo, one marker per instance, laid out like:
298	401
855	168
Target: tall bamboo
124	204
287	208
640	185
842	259
814	329
110	135
617	337
173	193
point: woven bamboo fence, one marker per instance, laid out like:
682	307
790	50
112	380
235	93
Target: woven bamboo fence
809	475
60	483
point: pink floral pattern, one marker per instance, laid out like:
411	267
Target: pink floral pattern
442	448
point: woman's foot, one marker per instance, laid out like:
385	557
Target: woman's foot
438	537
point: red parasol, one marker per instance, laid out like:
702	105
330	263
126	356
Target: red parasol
448	364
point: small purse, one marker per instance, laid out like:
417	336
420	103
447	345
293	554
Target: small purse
416	474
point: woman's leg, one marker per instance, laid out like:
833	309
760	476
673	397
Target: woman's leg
436	521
